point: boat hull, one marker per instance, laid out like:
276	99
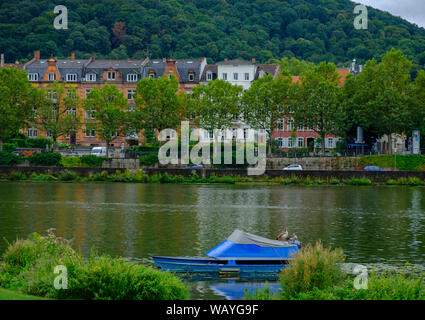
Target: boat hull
205	265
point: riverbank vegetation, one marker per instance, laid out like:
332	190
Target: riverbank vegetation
315	274
139	176
28	266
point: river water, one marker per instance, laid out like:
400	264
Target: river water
375	226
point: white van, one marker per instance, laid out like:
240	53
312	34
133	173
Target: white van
98	151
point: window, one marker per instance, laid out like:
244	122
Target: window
90	132
330	143
131	94
32	133
235	76
111	75
191	76
33	77
90	114
245	133
116	133
49	133
300	142
280	140
91	77
71	77
152	74
291	142
132	77
289	124
209	76
300	127
224	76
280	124
71	111
211	134
52	76
51	94
247	76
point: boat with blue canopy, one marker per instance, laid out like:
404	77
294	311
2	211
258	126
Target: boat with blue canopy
240	253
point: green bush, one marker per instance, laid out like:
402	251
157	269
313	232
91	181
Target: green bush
17	176
9	159
9	147
92	161
71	162
149	160
28	266
313	267
68	176
409	162
358	182
42	177
45	159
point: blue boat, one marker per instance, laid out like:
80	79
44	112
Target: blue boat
241	253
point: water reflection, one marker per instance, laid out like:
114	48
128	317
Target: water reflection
372	225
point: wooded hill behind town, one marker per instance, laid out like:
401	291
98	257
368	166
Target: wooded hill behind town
312	30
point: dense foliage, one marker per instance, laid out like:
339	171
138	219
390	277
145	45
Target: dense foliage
313	30
45	159
28	267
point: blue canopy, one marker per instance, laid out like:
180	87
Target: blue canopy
245	246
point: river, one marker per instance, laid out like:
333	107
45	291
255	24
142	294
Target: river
375	226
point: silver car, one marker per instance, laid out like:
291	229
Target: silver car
296	167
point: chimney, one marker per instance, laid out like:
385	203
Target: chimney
72	55
93	57
253	60
2	60
353	66
51	61
37	54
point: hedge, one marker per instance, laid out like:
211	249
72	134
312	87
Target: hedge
45	159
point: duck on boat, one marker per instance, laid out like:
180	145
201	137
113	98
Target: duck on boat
241	252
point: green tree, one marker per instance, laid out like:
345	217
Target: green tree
158	105
316	103
267	101
217	105
58	116
107	105
17	100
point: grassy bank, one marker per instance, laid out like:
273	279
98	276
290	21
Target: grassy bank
140	176
13	295
28	268
315	274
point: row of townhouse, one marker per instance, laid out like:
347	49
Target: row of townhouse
84	74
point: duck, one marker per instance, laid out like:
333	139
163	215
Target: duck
283	236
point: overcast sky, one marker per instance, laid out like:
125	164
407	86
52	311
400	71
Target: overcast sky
410	10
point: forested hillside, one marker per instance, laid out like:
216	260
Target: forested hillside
313	30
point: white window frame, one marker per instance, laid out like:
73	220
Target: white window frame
132	77
52	76
91	77
289	124
235	76
191	76
280	124
91	132
246	76
33	77
225	76
111	75
209	76
32	132
90	114
281	142
300	142
130	94
71	77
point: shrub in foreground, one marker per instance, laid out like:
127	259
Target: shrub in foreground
312	267
28	266
45	159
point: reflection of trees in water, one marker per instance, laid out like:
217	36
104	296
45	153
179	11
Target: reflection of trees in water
137	220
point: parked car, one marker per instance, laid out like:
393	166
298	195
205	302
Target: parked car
195	167
98	151
373	168
293	167
18	153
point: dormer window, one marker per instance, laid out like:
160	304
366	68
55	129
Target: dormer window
191	75
33	77
132	77
111	75
52	76
91	77
71	77
209	76
152	74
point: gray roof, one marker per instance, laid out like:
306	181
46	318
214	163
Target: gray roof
272	69
157	66
212	68
184	66
235	61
